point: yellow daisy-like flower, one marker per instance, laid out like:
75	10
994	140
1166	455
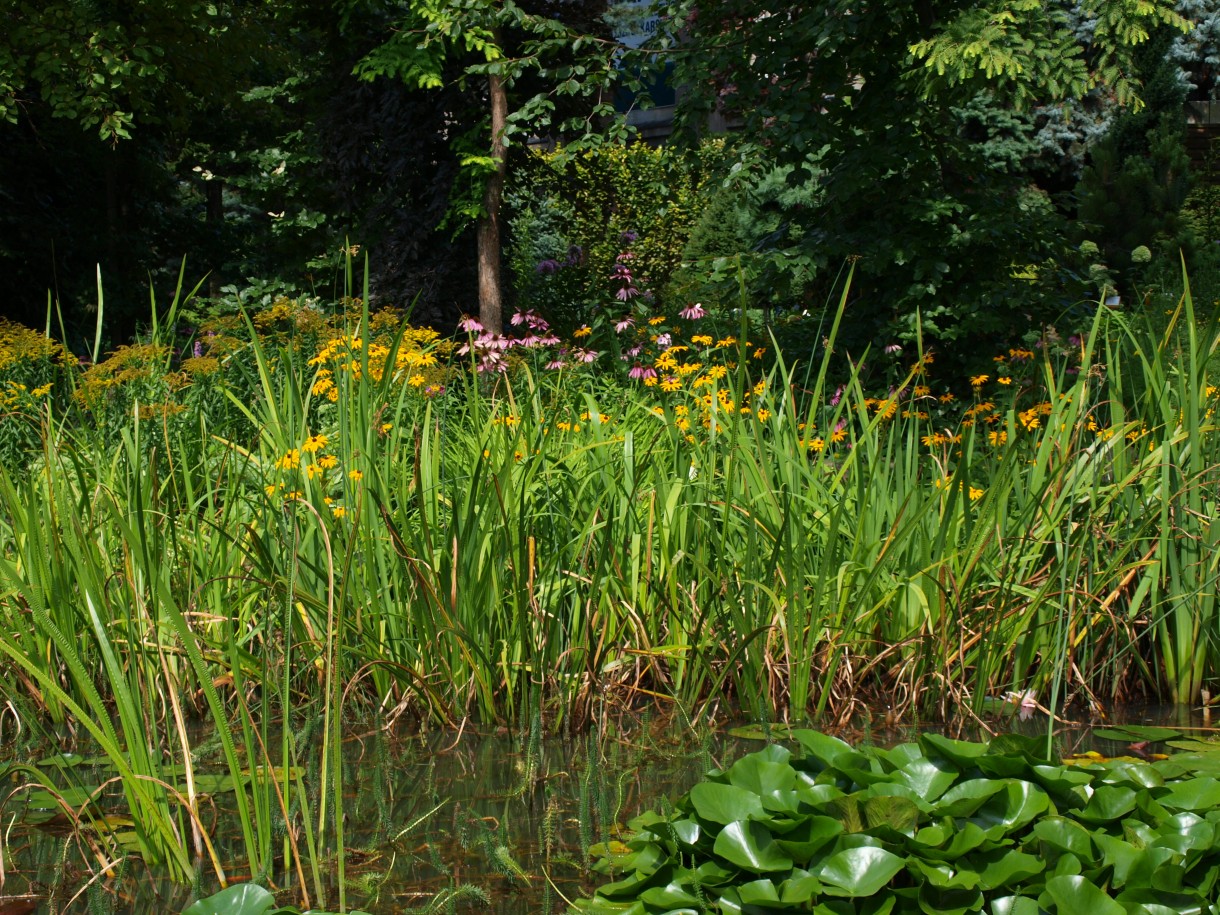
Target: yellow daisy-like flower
582	332
355	475
271	489
385	427
764	415
312	470
726	341
1004	379
338	511
975	493
671	384
415	381
315	443
701	340
657	319
328	462
979	380
290	460
816	444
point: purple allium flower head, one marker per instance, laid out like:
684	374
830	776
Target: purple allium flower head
549	265
628	237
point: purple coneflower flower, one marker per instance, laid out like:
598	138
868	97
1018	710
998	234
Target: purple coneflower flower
692	312
623	323
642	371
470	325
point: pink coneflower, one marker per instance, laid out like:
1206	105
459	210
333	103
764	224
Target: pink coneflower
623	323
470	325
584	355
642	371
556	364
692	312
893	348
834	401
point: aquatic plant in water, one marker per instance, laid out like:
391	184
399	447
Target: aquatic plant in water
937	826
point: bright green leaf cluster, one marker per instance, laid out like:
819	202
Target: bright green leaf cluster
941	825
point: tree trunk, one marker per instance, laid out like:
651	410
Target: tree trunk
490	298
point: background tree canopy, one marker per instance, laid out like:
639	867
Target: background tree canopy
949	149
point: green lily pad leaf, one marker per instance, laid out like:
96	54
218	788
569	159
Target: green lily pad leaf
963	799
760	893
942	875
1108	803
897	813
762	776
1131	773
858	871
796	891
1005	867
1015	905
1192	794
687	831
822	747
1064	835
725	803
242	899
808	837
966	839
930	779
1078	896
673	895
749	845
1019	803
961	753
761	731
1130	864
1132	733
1032	748
633	884
935	900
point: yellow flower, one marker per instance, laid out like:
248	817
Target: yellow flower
415	381
979	380
42	390
671	384
838	435
975	493
312	470
338	511
922	390
657	319
355	475
947	398
816	444
315	443
764	415
582	332
328	461
289	461
998	438
271	488
385	427
1004	379
701	340
726	341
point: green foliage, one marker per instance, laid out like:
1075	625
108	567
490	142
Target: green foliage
1132	192
902	114
940	825
581	209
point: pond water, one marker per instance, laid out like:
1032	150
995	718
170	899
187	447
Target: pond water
473	822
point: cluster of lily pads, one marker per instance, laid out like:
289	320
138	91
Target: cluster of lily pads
939	826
